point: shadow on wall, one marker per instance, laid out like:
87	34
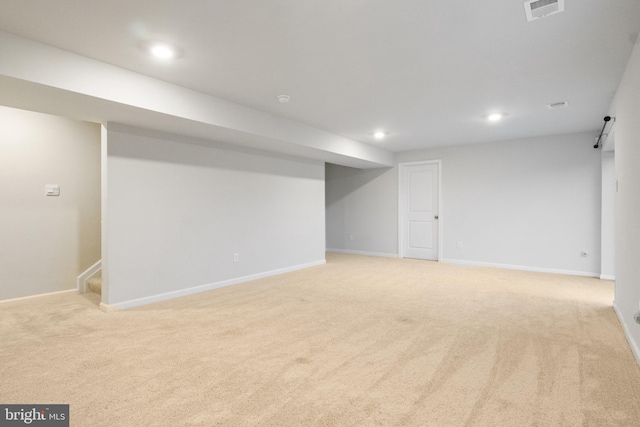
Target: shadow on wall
361	209
253	162
350	179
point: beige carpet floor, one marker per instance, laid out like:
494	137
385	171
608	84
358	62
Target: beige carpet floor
359	341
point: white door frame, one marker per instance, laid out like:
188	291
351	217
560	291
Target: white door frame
402	196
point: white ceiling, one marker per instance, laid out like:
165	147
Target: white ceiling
426	72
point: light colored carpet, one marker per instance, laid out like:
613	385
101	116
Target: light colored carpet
358	342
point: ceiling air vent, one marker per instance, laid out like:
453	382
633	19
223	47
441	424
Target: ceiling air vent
537	9
556	105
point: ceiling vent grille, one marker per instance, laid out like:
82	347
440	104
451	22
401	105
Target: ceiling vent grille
556	105
537	9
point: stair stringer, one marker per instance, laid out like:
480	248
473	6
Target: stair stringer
84	277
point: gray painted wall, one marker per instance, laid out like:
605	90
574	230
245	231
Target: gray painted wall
626	110
46	242
178	212
362	209
608	230
532	203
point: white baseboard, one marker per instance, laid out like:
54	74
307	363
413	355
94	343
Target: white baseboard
519	267
634	345
83	278
607	277
108	308
202	288
348	251
37	296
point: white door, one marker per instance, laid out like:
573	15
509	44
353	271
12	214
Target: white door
419	186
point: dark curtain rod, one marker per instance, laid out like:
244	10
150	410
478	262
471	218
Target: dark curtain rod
599	140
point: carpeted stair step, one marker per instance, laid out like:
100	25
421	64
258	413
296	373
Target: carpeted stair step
95	285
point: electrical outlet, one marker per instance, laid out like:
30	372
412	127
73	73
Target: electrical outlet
236	257
459	244
351	237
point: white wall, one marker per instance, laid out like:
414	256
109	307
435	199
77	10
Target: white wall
362	210
626	110
532	203
46	242
608	229
177	212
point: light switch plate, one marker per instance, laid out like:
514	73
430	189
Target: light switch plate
52	190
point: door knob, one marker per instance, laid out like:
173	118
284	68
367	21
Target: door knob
436	217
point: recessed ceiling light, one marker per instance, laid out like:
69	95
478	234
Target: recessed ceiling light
161	51
494	117
379	135
284	99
